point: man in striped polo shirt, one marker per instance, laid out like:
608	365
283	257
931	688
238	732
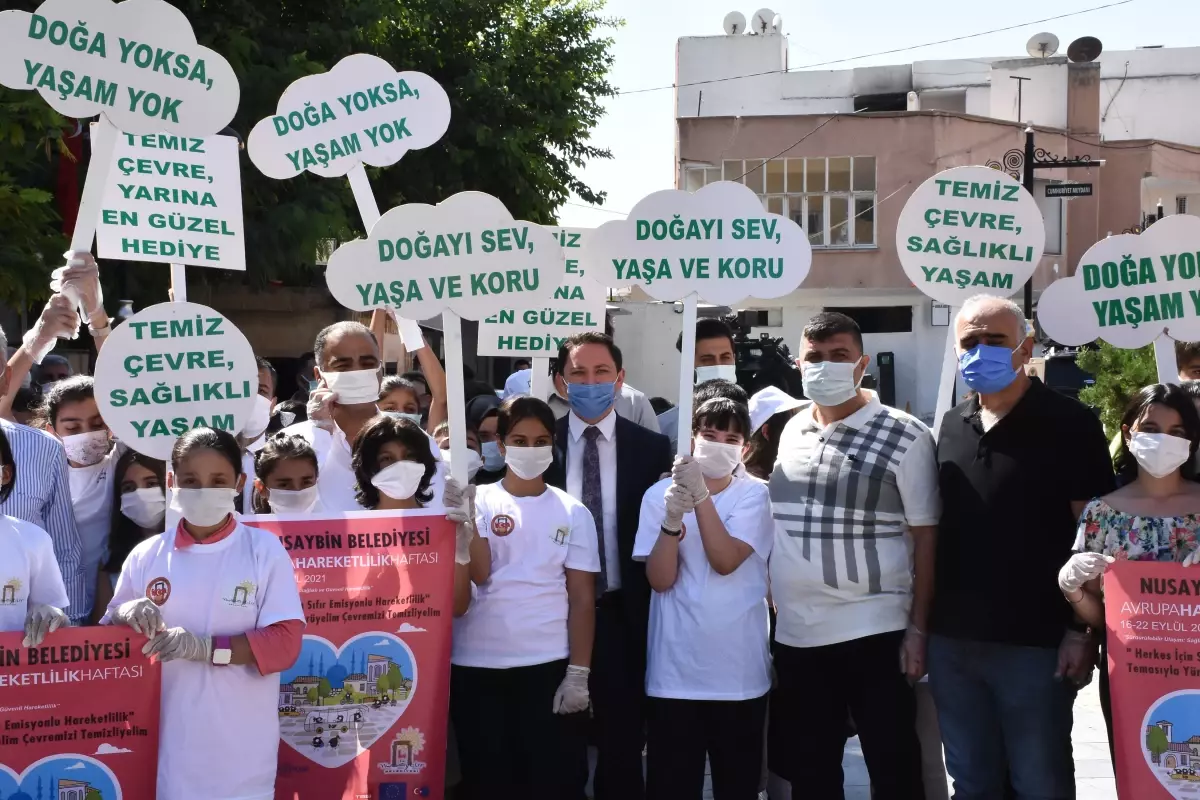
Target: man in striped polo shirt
855	497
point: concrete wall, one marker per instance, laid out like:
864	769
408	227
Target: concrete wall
1043	95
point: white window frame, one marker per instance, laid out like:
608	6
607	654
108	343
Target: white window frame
799	200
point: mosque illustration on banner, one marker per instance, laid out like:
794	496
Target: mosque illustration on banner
61	777
336	702
1171	743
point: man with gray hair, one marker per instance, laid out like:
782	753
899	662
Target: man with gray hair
1017	463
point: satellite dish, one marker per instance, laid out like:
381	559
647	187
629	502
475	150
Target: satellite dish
776	24
735	23
1042	45
1085	49
760	23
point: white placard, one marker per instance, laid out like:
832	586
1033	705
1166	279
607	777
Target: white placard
360	112
466	254
578	305
717	242
173	200
969	231
170	368
136	62
1129	289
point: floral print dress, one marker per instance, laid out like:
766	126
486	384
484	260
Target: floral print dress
1103	529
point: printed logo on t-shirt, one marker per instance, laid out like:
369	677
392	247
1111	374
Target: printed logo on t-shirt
502	525
159	591
243	594
10	591
560	536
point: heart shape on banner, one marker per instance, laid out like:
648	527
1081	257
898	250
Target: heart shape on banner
1177	715
61	771
352	710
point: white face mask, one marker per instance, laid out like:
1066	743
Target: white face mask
474	462
717	459
356	387
86	448
145	507
205	507
528	462
1159	454
724	372
260	417
400	480
292	501
830	383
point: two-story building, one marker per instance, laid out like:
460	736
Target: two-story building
840	151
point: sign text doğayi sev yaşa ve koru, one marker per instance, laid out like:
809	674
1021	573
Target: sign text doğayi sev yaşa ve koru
678	229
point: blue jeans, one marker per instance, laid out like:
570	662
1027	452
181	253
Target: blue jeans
1004	719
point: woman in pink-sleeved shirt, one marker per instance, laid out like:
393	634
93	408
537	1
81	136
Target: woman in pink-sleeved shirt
219	603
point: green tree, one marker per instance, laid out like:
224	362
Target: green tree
382	685
312	695
1119	374
395	677
526	79
324	689
93	794
1156	741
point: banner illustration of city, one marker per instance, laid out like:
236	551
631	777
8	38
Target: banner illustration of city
362	712
1152	612
79	716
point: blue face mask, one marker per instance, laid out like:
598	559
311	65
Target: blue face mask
493	459
591	400
413	418
987	368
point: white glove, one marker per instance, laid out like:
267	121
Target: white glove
679	502
79	280
687	474
460	509
176	643
1081	568
572	695
40	620
142	615
320	407
58	320
1192	558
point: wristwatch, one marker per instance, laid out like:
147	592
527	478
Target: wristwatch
222	651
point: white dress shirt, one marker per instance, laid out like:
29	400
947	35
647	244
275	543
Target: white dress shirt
606	444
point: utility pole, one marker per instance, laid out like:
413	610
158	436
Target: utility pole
1020	79
1030	164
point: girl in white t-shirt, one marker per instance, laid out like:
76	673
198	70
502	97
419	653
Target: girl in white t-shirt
521	655
705	535
218	600
139	506
33	596
286	476
69	411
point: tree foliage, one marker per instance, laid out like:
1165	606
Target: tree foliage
525	80
1156	740
1119	374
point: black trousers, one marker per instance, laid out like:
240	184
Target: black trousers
510	743
680	733
618	689
807	732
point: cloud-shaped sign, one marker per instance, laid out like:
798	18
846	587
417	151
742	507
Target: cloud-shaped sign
465	255
1128	289
969	231
361	111
136	62
718	242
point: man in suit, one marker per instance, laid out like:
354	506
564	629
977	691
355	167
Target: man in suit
608	462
